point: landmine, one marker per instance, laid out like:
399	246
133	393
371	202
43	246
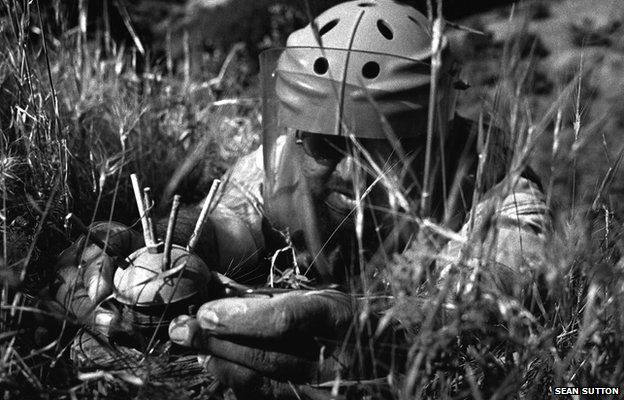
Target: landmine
162	281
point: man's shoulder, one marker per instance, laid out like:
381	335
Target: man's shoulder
246	177
251	165
242	185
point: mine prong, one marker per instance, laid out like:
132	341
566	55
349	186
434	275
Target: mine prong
139	201
203	216
173	216
154	246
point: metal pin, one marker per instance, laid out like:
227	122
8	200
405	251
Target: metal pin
173	216
148	203
139	201
201	221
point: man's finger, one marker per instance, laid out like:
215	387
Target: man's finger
183	329
318	313
246	383
98	273
267	360
270	363
250	385
71	255
71	293
118	237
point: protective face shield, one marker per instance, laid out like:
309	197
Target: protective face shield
344	125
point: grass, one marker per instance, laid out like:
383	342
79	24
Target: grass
77	119
78	116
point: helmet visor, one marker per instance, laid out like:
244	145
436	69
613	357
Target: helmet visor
338	92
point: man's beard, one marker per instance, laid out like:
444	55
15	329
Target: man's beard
341	249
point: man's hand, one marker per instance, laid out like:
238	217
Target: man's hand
84	271
266	346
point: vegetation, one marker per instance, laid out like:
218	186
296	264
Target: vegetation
79	113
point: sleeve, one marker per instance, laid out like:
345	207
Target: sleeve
504	237
232	242
238	216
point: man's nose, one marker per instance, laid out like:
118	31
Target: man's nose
345	168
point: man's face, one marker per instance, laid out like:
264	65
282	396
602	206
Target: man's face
342	172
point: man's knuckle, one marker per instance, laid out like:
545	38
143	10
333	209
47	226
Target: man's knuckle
284	319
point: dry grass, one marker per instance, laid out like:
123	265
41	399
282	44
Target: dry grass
78	117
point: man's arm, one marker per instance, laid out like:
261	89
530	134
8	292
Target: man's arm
505	234
237	220
232	240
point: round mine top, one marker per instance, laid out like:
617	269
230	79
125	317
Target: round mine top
144	283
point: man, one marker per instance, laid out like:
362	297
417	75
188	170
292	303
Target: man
334	192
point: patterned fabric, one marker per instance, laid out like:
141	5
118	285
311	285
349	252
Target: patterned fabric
242	193
516	210
504	235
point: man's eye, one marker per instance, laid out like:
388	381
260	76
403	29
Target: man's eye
323	147
334	148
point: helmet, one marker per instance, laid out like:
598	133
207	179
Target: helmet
356	65
361	68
